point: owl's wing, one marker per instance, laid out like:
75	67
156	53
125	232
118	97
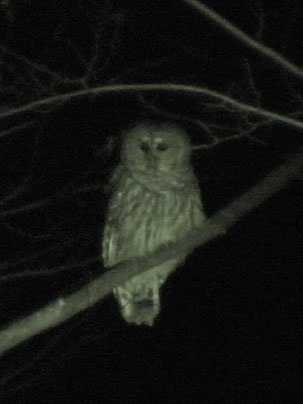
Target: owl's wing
110	240
109	245
198	215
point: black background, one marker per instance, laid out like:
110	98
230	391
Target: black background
230	330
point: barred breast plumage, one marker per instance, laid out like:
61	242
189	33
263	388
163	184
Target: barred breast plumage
148	209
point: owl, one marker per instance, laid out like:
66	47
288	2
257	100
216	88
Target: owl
155	200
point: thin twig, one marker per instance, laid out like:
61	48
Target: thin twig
37	254
33	65
17	128
46	272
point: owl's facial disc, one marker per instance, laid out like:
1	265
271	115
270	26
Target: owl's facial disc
153	150
157	148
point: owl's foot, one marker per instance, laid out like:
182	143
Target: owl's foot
140	310
144	312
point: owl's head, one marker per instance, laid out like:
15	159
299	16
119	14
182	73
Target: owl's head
154	147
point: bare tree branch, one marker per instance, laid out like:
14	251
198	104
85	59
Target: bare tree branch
16	128
64	308
31	64
262	49
37	254
66	192
46	272
260	16
156	87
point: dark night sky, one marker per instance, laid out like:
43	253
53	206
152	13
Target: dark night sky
230	328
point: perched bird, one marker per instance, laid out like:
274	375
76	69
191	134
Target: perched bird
155	199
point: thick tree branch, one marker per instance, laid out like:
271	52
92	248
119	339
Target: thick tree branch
64	308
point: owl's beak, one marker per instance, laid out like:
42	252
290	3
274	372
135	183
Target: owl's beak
152	160
151	156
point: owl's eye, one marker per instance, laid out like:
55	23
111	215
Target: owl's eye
144	147
162	146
